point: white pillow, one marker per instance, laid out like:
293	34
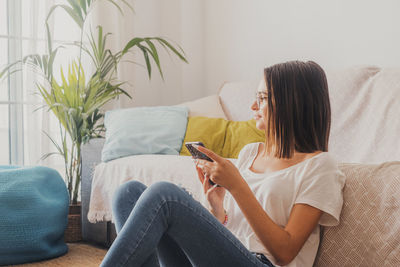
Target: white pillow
208	106
236	99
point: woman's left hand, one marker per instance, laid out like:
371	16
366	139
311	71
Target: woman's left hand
221	171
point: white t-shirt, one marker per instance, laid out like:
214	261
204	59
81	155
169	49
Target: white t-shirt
316	181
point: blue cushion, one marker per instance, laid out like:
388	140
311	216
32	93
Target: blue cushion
33	214
144	130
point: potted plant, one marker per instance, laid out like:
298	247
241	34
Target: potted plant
77	99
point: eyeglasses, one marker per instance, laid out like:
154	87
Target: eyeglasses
261	99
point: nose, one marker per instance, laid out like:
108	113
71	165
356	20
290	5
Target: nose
254	106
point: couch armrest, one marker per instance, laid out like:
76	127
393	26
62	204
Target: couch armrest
91	156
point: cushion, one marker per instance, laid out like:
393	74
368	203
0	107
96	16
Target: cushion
144	130
226	138
34	214
208	106
236	99
210	131
238	134
369	229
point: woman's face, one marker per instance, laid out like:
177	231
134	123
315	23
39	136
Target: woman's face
259	106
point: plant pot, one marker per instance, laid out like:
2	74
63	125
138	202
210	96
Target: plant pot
73	233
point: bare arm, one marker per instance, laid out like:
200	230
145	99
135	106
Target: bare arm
283	243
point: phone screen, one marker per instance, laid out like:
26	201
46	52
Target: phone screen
195	153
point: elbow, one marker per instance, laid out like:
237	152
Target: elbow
283	261
285	258
285	251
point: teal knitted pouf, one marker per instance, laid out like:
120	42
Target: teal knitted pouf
33	214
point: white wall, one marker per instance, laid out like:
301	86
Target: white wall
178	21
242	37
233	40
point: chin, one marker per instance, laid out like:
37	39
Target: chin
260	125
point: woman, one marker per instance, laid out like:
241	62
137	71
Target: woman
279	192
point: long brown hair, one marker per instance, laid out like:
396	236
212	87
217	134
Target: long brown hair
299	113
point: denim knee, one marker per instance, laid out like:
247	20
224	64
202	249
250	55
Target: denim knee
127	192
163	187
163	191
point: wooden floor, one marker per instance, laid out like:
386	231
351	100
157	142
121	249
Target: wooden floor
79	255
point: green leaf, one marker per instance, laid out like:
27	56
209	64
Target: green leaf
44	61
54	143
50	64
133	42
8	67
126	3
100	39
45	156
154	54
49	40
51	12
164	42
82	4
146	57
77	8
74	15
116	5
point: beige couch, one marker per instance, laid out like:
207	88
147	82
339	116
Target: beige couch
364	138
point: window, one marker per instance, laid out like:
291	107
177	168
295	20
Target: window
22	122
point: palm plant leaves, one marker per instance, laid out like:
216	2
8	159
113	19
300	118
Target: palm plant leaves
59	149
76	100
76	104
76	15
146	45
42	62
79	9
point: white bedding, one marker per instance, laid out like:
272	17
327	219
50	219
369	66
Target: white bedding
147	169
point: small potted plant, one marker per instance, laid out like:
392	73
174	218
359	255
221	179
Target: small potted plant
77	99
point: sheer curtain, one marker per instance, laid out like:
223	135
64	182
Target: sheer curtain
22	33
36	120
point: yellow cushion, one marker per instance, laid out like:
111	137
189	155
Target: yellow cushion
239	134
224	137
210	131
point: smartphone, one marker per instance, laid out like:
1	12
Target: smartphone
197	154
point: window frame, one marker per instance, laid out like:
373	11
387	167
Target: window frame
15	96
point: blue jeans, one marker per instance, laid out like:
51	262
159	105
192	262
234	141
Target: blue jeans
162	225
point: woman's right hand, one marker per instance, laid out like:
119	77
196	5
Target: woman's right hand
214	195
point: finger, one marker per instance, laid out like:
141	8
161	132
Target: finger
206	184
204	164
209	153
213	188
211	180
200	170
200	174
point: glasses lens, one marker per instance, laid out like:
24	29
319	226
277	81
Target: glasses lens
261	99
